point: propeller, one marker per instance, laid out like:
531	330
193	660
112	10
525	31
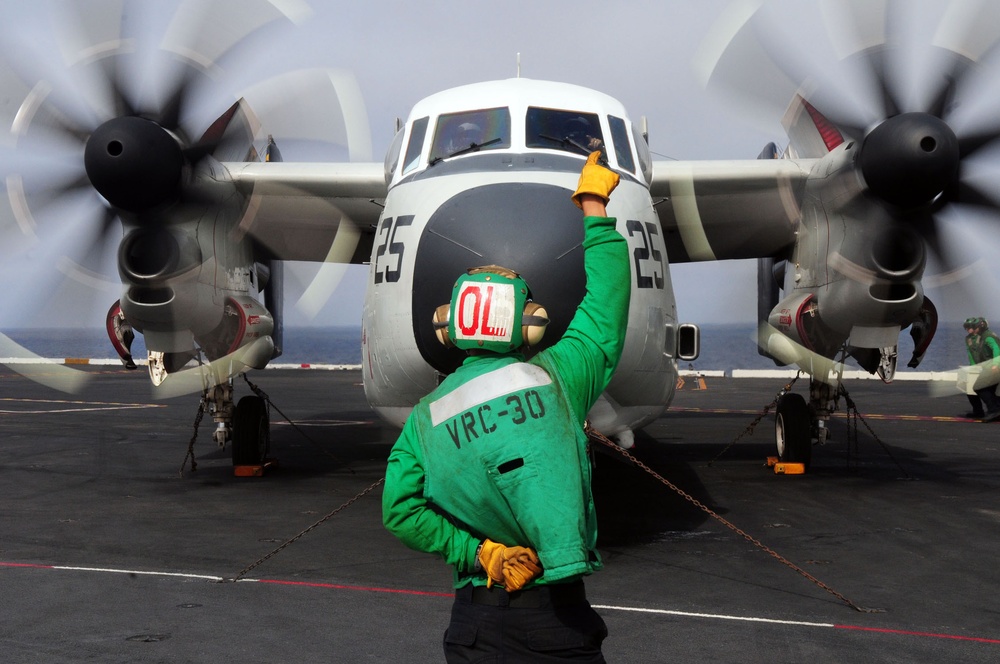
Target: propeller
107	105
330	113
907	83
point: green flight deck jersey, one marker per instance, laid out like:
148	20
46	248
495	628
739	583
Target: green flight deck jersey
983	347
498	450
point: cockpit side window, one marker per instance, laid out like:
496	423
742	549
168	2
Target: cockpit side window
579	133
645	159
392	156
623	149
415	145
470	131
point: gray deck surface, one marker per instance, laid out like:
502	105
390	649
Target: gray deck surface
109	554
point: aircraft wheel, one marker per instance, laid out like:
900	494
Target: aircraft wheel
251	433
791	430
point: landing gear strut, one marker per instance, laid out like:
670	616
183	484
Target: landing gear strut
245	425
797	424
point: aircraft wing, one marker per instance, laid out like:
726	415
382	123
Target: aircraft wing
719	210
296	210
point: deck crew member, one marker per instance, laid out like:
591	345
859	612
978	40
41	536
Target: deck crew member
491	469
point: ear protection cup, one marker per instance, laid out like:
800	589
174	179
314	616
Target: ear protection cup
534	320
441	315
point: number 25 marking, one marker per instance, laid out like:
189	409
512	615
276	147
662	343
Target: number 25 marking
389	246
646	253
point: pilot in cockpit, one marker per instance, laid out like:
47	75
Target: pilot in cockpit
464	135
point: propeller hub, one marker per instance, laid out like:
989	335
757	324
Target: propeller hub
134	163
910	159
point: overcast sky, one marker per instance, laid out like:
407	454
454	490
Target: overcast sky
639	52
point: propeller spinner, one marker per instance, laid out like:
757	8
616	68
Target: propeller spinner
134	163
910	159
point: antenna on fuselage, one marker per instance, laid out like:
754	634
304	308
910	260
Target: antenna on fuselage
519	65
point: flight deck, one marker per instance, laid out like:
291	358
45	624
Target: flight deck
113	549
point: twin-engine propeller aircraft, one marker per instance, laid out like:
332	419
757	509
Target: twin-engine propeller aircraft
480	175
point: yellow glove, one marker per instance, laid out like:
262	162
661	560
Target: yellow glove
595	179
493	556
521	569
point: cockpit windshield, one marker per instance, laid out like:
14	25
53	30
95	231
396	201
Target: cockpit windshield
571	131
470	131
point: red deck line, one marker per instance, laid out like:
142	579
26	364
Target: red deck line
371	589
903	632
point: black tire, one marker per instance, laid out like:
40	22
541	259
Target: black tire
791	430
251	432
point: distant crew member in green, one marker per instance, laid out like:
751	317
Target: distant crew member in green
491	469
984	349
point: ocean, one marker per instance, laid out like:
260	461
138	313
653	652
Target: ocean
723	347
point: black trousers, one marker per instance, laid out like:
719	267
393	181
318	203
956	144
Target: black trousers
985	396
542	624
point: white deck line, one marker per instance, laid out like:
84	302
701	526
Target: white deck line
713	616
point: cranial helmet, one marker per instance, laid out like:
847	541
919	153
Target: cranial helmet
976	323
490	309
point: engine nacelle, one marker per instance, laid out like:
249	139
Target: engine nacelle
165	296
795	319
794	334
245	331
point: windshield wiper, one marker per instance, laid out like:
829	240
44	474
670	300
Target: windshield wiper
472	147
582	149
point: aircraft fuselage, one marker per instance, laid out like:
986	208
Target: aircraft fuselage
506	201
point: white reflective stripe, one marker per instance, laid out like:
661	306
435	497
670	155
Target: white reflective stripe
689	224
511	378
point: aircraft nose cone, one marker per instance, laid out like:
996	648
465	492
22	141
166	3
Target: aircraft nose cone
909	159
533	229
133	163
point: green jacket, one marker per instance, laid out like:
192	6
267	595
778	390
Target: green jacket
498	450
983	347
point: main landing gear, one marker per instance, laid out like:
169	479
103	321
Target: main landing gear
799	424
245	426
791	430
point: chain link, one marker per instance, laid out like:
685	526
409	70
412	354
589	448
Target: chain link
267	399
270	404
202	407
278	550
853	416
753	425
597	436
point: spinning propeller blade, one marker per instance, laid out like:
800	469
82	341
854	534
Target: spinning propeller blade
104	114
906	92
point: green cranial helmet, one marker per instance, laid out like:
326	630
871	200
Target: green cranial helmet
976	323
490	310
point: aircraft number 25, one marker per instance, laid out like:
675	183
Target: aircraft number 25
646	257
388	246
